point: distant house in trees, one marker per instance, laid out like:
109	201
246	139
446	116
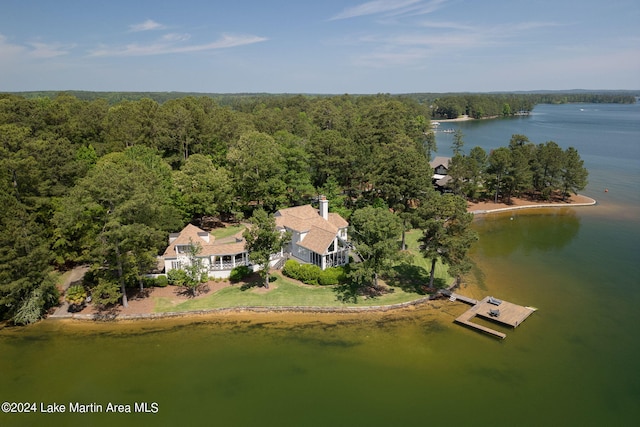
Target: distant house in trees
219	257
317	236
441	178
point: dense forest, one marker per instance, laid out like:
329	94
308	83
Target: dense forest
446	105
103	181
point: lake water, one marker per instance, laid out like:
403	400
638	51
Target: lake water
573	362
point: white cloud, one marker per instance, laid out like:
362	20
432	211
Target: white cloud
147	25
445	25
9	50
171	46
390	8
374	7
48	50
176	37
413	45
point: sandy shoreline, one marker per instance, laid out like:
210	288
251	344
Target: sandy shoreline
462	118
487	207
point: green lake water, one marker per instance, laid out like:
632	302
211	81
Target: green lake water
573	362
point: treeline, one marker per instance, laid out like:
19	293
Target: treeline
86	181
538	171
490	104
506	105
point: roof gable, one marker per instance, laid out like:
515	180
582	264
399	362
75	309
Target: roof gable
192	234
440	161
306	219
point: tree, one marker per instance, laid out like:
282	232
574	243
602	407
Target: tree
547	166
263	240
447	233
332	155
457	173
195	273
573	174
499	161
258	167
183	127
402	178
475	167
205	189
430	146
522	156
375	233
26	290
458	142
118	216
297	176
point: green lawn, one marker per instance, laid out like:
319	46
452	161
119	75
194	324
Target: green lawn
419	261
410	276
221	233
282	293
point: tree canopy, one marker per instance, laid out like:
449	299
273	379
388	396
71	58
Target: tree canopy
117	216
375	233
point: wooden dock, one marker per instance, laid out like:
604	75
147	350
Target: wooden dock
509	314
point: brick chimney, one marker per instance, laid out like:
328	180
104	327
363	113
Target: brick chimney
324	207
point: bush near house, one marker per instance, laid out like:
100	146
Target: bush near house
161	282
239	273
312	274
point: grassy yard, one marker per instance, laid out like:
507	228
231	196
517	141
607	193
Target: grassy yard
282	293
221	233
422	266
410	276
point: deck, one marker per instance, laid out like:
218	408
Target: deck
510	314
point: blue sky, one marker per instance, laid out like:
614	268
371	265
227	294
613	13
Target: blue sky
328	46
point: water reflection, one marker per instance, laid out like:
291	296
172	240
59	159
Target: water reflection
507	233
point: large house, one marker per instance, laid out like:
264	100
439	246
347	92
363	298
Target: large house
317	237
218	257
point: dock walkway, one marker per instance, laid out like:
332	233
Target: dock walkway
505	313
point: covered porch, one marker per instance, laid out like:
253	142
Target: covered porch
228	261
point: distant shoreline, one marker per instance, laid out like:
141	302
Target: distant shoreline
462	118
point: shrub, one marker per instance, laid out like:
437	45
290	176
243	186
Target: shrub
177	277
313	275
291	268
161	281
76	294
106	293
239	273
332	276
306	273
309	274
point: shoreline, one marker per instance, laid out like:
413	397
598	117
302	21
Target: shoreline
462	118
482	208
96	317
